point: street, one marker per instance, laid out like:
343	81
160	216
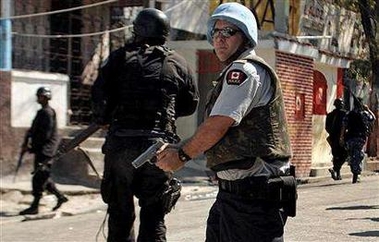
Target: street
327	211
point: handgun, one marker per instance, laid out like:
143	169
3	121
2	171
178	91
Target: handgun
148	154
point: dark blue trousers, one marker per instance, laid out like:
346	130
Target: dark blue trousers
236	218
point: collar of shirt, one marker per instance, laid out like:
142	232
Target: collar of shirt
247	53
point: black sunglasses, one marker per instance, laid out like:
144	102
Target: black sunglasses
225	32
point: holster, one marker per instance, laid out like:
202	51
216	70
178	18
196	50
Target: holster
279	192
283	192
43	167
171	194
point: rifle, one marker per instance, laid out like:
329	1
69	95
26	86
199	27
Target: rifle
22	153
77	140
148	154
65	147
357	101
19	163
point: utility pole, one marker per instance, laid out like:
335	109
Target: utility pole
5	36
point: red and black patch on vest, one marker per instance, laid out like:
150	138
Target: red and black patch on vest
235	77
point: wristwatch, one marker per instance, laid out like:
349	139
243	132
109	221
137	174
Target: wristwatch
183	156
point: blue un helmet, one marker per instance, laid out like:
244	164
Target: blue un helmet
240	16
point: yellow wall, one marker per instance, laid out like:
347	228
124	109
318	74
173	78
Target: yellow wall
263	9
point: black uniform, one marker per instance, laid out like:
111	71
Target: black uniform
333	126
44	142
358	125
140	92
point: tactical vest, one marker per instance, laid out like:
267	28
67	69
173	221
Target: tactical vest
145	97
44	139
358	125
261	133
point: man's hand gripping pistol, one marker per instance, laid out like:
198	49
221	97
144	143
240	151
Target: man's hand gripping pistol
148	155
170	192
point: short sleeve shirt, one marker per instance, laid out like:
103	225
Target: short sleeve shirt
245	86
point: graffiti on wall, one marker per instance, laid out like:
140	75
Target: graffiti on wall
341	28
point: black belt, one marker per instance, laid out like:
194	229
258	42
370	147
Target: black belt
134	133
251	186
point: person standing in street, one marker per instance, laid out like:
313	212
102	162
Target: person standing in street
357	126
141	90
244	136
333	126
42	140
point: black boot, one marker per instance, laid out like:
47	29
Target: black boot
333	174
33	209
338	173
61	199
355	177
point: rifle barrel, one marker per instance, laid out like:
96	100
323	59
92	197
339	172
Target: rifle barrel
79	138
19	163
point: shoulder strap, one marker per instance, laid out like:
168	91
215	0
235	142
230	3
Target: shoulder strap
260	61
166	52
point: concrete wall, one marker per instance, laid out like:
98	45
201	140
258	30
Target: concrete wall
321	153
188	49
265	49
8	137
330	73
23	96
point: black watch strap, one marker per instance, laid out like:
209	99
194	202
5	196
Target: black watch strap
183	156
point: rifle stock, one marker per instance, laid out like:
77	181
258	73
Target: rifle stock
64	148
356	99
77	140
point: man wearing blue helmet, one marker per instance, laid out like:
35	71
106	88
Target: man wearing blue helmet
244	137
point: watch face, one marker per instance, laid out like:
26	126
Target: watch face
183	156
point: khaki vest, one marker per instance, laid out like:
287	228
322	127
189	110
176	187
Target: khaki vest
262	133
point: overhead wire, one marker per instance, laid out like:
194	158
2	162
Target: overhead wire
62	11
58	11
72	35
72	9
